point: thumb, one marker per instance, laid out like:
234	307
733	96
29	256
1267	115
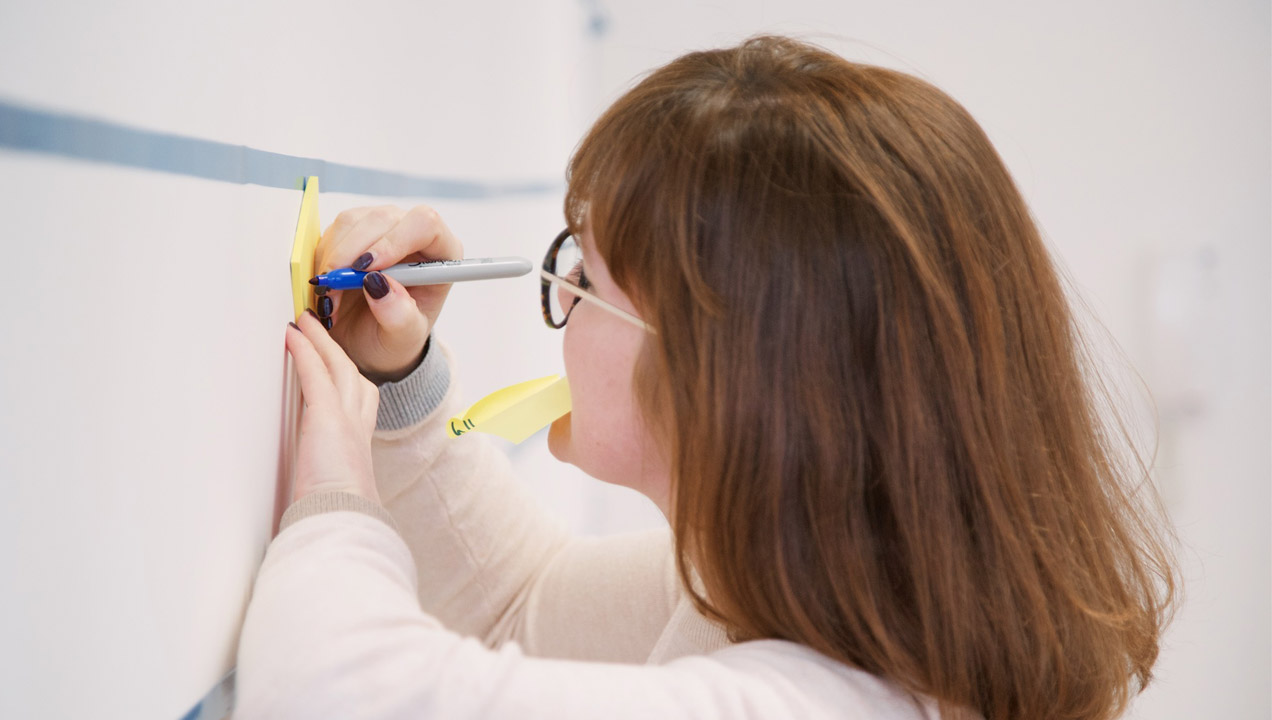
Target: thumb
394	309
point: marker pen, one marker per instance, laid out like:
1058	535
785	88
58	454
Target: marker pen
433	272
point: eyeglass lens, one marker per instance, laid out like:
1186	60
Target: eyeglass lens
568	265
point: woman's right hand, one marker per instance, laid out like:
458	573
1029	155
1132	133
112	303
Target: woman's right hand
385	336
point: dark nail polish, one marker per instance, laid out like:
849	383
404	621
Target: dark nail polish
295	325
324	306
321	290
376	285
311	312
363	261
328	323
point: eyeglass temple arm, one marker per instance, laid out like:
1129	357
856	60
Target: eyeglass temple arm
581	293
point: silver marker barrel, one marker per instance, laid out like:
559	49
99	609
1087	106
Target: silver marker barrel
438	272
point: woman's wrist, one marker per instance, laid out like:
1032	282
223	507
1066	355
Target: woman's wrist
399	375
408	401
324	501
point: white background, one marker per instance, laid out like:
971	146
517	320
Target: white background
141	356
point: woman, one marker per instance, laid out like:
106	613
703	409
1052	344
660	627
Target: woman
814	323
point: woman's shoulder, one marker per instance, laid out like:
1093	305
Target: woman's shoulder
819	686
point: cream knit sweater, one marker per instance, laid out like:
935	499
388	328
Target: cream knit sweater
461	598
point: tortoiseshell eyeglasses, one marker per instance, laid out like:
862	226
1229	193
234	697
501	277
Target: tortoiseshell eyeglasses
565	254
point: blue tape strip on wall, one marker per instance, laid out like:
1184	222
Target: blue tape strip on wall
30	130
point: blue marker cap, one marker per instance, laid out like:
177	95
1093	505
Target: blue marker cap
343	279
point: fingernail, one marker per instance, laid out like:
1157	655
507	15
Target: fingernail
376	285
320	290
328	323
363	261
311	312
295	326
324	307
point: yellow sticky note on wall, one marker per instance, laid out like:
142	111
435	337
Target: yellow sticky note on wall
308	233
515	413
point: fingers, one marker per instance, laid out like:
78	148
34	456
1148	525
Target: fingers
352	232
315	380
339	366
389	234
420	230
395	311
374	238
343	241
326	307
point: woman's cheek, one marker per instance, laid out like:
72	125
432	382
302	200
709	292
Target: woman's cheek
577	437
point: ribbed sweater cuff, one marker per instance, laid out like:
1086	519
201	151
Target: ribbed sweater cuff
414	397
318	503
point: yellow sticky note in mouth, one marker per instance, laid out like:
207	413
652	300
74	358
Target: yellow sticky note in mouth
517	412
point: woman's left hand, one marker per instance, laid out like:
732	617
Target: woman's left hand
339	417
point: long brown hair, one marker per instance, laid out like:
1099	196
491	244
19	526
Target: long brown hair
884	443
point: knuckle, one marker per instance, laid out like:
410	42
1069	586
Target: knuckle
386	213
426	215
348	217
347	378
